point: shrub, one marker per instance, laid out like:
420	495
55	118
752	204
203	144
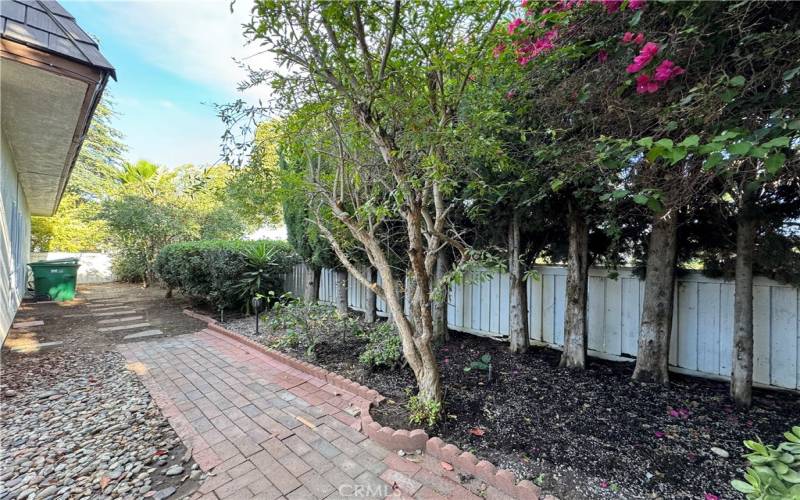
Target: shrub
775	471
384	347
302	324
212	271
129	266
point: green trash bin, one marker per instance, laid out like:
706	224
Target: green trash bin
55	279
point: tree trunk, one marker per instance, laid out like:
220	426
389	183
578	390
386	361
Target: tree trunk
440	332
371	307
311	285
742	372
652	359
341	291
575	335
518	322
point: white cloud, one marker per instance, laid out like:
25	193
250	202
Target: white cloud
167	104
196	40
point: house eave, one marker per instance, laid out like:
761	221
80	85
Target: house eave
92	80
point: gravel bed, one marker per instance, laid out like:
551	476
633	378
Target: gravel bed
77	424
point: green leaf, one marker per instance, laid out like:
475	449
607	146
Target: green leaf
791	73
712	161
655	205
619	193
742	487
645	142
774	162
486	358
636	18
678	154
640	199
727	134
777	142
665	143
692	140
737	81
794	125
556	184
711	147
740	148
728	95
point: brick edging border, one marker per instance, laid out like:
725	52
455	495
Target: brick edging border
393	439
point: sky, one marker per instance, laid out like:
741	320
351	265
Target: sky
174	61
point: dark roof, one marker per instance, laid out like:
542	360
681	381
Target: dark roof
46	25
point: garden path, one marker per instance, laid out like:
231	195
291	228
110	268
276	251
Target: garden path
266	430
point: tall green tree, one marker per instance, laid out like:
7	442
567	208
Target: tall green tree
74	227
390	77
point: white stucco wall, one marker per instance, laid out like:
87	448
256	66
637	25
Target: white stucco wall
15	236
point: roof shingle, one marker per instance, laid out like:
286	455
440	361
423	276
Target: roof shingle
46	25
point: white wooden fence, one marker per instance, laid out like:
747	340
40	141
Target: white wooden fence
702	326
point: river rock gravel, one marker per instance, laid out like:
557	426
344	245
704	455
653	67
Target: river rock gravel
76	422
94	432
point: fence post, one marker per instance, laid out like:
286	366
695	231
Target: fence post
371	307
341	291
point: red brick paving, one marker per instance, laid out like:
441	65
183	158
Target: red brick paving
266	430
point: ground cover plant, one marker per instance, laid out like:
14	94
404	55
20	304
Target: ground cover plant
579	434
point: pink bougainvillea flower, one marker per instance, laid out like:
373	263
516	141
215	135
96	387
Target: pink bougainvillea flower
498	50
524	3
527	50
604	484
674	413
639	40
646	55
636	4
510	94
602	56
659	434
513	25
665	72
644	85
627	37
563	5
711	496
611	5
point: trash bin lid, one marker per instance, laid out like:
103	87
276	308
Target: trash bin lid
56	262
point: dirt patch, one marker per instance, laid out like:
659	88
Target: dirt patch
578	434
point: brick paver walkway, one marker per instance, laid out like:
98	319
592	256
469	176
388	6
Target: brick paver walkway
267	430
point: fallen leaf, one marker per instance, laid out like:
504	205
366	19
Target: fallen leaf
104	482
447	466
475	431
158	453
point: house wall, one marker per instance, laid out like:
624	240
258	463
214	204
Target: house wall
15	235
702	325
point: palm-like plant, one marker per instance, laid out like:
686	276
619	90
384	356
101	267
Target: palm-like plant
260	265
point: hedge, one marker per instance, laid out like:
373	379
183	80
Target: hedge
209	271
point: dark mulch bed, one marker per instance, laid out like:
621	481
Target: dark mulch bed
590	434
